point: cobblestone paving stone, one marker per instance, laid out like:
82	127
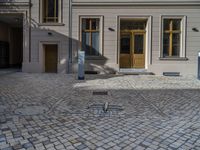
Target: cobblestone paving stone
53	112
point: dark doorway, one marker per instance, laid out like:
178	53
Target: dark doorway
11	40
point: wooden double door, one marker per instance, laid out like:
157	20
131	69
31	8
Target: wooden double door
132	49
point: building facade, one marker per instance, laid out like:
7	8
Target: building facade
117	36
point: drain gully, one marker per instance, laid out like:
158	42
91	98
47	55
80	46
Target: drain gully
105	110
96	93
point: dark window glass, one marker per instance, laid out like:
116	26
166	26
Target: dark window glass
166	24
95	24
86	42
95	43
166	44
176	44
133	24
176	24
87	24
83	24
50	10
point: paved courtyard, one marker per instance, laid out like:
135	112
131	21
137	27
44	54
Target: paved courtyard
58	112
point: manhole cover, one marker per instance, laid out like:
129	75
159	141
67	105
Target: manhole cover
112	110
31	110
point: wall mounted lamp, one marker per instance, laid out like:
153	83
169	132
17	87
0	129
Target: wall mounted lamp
50	34
195	29
111	29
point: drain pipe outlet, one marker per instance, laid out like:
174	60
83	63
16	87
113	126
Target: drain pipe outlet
105	108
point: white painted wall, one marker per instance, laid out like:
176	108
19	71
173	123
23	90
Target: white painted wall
134	1
110	38
39	34
60	33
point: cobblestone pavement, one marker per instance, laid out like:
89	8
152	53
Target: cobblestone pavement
51	111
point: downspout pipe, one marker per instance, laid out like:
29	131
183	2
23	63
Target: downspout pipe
70	38
30	5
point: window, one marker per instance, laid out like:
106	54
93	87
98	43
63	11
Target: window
130	24
50	11
90	36
172	36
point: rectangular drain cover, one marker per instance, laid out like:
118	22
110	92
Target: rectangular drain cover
171	74
100	93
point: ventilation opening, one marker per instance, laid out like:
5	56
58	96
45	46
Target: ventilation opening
100	93
171	74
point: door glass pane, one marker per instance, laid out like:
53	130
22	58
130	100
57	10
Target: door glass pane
139	44
95	43
175	44
166	44
85	42
125	45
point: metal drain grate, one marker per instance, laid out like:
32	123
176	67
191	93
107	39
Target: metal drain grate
112	110
100	93
31	110
171	74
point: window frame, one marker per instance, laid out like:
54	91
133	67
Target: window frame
182	53
60	10
100	34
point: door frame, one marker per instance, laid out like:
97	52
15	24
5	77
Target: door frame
42	54
148	39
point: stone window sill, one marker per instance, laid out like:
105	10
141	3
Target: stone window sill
51	24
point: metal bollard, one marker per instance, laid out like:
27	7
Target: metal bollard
81	63
199	65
